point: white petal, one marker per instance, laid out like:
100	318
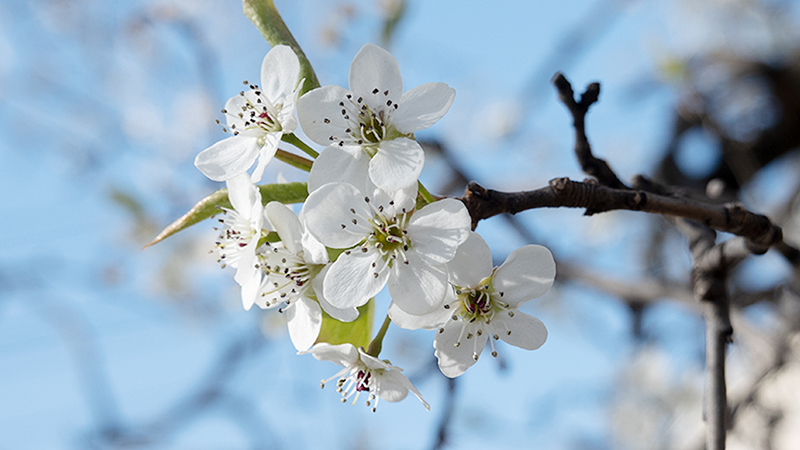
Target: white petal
228	157
429	321
342	354
287	225
342	314
423	106
375	68
304	320
286	118
417	288
266	153
234	106
313	250
400	385
454	361
438	229
245	266
351	280
527	331
527	273
250	292
257	214
279	72
320	104
328	215
374	363
397	164
243	194
404	199
269	296
391	386
472	263
347	164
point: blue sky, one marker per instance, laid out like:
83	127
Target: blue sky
103	97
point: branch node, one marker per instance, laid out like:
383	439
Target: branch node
639	200
560	185
475	189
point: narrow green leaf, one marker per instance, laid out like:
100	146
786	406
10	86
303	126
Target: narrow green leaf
269	22
357	332
209	206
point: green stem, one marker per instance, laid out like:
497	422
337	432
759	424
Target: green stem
377	343
425	194
266	18
294	160
294	140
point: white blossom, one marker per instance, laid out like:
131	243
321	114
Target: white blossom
363	372
387	240
241	230
369	128
483	304
257	118
291	275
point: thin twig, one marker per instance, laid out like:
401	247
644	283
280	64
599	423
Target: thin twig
712	263
591	165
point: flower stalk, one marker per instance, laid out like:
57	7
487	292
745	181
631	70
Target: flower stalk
293	160
427	196
297	142
266	18
377	344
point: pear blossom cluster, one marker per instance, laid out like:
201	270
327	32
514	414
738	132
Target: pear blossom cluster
364	226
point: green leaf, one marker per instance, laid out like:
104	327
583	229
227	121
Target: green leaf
357	332
209	206
269	22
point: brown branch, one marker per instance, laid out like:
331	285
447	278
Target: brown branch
718	335
696	218
712	263
791	254
483	203
590	165
609	193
